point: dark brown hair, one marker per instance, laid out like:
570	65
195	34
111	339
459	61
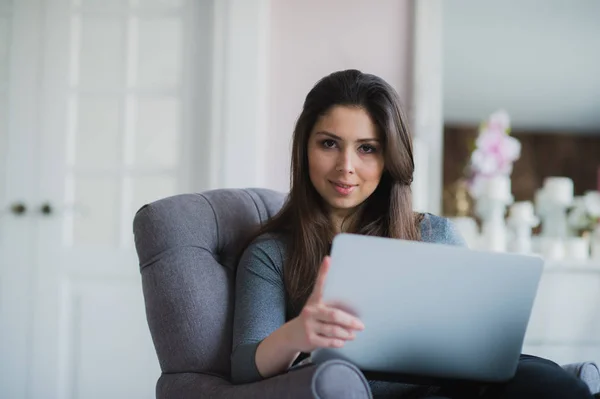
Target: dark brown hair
303	220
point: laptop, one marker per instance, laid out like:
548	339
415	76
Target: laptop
432	312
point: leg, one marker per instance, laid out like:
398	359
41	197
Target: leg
538	378
399	390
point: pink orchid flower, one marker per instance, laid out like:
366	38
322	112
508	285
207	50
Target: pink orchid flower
499	121
495	151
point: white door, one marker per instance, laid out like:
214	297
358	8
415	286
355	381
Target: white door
118	93
20	36
17	188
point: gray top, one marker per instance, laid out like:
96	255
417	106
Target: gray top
260	303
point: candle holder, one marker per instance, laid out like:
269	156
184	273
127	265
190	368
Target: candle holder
521	221
552	201
491	208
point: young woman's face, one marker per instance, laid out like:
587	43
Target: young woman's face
345	158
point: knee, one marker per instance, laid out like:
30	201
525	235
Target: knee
559	387
542	379
339	379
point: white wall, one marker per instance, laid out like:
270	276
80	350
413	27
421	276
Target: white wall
312	38
239	96
540	59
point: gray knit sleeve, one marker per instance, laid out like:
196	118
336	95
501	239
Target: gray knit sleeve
452	236
440	230
259	305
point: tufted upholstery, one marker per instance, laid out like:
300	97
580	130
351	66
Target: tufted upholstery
187	247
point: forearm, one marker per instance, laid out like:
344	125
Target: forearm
275	354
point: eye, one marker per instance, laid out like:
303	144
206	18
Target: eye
328	143
367	149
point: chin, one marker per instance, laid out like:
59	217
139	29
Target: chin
343	203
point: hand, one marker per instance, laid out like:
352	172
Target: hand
320	325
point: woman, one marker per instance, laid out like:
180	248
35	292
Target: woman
352	167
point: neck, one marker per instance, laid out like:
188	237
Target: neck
337	222
343	221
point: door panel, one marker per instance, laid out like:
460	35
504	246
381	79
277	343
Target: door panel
94	341
113	139
19	47
99	114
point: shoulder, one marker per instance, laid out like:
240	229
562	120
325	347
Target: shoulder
440	230
267	250
271	243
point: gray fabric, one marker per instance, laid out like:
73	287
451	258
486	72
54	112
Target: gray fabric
331	380
186	246
339	379
260	306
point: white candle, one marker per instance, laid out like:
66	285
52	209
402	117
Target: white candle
521	219
523	212
558	190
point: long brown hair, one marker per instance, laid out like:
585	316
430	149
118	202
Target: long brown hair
303	219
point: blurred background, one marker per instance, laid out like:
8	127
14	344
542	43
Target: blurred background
106	105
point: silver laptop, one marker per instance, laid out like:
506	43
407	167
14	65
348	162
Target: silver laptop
431	310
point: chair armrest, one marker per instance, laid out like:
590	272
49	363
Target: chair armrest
588	372
332	379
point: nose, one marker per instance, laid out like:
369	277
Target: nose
345	162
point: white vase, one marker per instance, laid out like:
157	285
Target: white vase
490	207
578	248
521	220
552	201
595	244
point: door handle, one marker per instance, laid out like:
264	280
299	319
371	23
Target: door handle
46	209
18	208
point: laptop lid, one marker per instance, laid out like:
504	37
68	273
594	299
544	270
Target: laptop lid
431	310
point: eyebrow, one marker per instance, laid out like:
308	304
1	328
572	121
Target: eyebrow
333	136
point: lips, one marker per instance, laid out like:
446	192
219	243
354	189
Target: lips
343	185
342	188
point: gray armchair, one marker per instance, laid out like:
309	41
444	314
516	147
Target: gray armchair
186	246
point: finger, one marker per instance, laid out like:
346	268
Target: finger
317	293
324	342
334	331
327	314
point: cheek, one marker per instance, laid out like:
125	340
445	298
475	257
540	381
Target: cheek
318	164
373	171
314	166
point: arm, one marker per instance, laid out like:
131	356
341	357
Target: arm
440	230
260	344
451	234
265	345
274	354
319	325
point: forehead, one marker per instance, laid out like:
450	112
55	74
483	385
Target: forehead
349	123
